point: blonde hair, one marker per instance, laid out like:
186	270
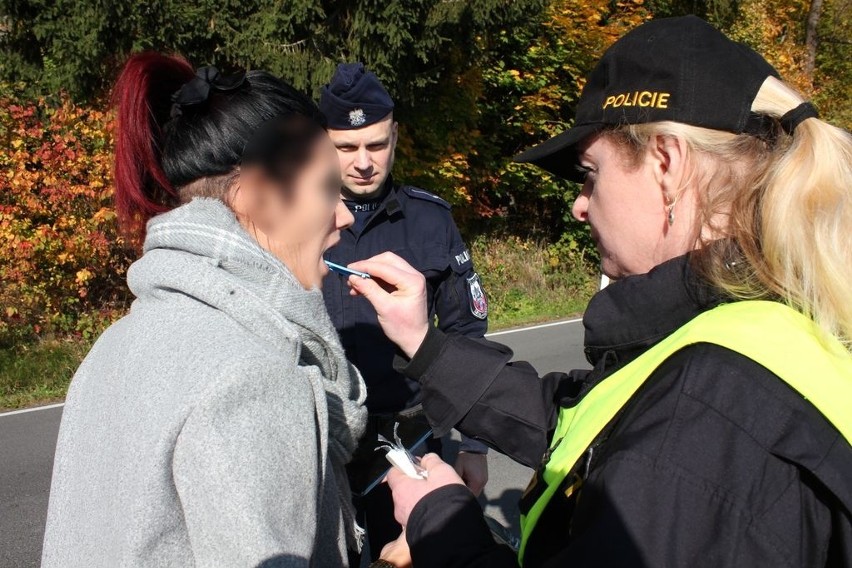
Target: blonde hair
783	202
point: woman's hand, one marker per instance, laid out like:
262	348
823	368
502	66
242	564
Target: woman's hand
473	469
397	292
407	491
397	552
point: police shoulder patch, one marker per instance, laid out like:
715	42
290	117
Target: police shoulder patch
478	301
418	193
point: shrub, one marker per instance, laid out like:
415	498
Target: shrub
62	261
527	281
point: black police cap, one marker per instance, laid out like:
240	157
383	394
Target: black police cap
675	69
354	98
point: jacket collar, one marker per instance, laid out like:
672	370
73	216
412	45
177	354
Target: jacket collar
627	317
385	197
390	205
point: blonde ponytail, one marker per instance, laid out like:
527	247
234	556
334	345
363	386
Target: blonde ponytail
805	217
784	203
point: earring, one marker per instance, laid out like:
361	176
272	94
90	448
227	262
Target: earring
671	214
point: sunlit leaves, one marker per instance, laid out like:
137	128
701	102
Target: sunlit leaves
62	262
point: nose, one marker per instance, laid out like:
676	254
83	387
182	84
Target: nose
342	216
580	208
362	161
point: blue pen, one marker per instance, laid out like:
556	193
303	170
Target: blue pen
345	271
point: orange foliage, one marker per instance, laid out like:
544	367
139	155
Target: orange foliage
596	24
775	29
61	259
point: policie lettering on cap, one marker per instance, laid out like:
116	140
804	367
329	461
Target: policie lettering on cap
354	98
677	69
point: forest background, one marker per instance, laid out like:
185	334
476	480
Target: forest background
476	81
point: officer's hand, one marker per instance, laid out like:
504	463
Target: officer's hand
407	491
473	469
398	294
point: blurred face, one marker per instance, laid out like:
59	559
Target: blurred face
627	206
366	156
297	225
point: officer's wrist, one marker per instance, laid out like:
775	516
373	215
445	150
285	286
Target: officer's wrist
416	367
412	344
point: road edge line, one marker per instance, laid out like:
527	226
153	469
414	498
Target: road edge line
33	409
494	334
533	327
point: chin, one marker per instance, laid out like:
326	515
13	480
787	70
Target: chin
322	272
364	189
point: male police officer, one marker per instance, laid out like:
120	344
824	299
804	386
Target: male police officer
414	224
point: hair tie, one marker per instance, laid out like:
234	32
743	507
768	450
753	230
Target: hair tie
794	118
762	126
197	90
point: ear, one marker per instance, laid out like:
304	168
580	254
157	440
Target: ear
394	133
668	155
250	199
235	197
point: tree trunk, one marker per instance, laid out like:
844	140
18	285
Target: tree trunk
811	40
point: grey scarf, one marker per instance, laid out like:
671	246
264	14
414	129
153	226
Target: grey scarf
270	304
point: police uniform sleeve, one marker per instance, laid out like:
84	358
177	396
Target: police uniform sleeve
446	528
472	384
460	301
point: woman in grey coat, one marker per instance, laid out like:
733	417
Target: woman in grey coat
211	425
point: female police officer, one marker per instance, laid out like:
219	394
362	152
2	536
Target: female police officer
714	428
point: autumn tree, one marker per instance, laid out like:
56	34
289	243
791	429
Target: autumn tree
523	90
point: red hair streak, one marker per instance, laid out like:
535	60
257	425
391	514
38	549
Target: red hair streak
142	96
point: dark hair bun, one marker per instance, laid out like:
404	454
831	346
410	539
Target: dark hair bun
159	150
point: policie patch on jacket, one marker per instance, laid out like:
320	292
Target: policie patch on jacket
478	301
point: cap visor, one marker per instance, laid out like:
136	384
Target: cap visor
559	154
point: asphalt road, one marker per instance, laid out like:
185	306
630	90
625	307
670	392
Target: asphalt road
27	442
28	439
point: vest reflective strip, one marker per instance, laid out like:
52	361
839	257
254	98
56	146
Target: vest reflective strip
777	337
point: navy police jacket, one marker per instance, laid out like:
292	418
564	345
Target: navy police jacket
417	226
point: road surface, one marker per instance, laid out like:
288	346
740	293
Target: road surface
27	442
28	439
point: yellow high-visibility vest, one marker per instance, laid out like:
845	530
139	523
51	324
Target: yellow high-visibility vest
788	344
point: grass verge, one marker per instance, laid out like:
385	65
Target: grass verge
529	282
38	373
525	281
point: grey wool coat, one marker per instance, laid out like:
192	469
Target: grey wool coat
210	426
